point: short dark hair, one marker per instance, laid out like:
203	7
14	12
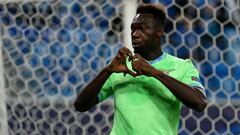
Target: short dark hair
156	10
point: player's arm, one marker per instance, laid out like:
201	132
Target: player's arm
89	95
190	96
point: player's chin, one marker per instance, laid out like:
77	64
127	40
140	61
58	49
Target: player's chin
138	50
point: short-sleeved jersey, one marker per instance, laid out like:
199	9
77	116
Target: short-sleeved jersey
143	105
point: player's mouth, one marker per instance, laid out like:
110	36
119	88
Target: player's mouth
136	45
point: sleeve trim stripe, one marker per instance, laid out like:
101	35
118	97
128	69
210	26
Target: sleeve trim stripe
201	89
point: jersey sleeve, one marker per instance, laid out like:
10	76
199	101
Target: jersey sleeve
106	91
191	76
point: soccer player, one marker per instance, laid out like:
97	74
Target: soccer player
150	86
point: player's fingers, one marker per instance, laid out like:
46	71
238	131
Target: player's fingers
134	58
118	56
132	73
137	68
123	53
122	56
127	51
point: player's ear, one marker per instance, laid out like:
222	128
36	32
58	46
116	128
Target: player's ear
160	31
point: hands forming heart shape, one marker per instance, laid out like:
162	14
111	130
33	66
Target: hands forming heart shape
139	64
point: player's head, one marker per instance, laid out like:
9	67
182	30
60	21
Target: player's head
156	10
147	28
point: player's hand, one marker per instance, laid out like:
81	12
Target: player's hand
118	64
141	66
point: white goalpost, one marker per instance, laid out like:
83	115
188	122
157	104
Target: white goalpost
129	13
3	110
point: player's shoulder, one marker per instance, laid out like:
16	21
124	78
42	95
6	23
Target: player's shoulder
179	62
175	59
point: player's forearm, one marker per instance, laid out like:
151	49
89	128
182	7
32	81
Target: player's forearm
88	97
187	95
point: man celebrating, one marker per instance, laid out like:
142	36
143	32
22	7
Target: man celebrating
149	87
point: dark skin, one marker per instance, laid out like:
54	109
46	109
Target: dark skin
147	46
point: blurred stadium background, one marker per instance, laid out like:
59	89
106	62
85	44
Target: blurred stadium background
52	49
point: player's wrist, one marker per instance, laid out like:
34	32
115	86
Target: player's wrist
108	69
157	73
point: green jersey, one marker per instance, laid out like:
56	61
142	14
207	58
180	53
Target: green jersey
143	105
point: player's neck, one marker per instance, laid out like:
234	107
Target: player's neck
154	54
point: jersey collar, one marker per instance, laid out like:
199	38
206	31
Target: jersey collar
158	59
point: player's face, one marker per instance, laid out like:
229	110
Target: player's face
144	33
